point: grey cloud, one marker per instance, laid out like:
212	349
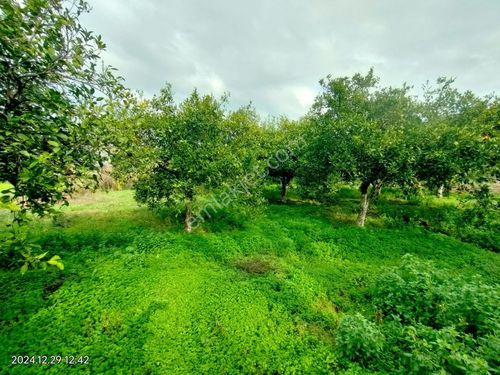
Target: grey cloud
274	52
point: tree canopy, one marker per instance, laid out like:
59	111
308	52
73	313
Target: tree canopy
54	99
53	95
198	147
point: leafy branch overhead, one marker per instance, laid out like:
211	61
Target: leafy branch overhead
53	97
55	101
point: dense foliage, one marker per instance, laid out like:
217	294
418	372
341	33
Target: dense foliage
285	142
197	147
458	144
54	100
50	133
362	132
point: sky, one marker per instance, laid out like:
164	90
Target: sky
274	52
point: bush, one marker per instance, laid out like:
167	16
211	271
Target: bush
426	351
359	339
435	323
415	292
476	219
410	293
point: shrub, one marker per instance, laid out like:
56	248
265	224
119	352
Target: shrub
436	323
416	292
426	350
410	293
359	339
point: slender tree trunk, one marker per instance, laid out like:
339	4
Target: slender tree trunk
363	210
365	202
188	220
284	184
375	192
377	189
440	191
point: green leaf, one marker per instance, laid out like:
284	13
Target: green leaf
24	268
56	261
55	258
40	256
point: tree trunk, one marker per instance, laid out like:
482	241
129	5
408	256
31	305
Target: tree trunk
375	192
440	191
284	183
365	202
188	220
377	189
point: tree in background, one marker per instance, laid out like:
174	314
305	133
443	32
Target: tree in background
246	140
457	141
361	132
197	147
135	120
490	131
284	143
53	96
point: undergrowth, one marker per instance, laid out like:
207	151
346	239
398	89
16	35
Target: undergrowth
293	288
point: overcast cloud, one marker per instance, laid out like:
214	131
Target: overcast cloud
273	52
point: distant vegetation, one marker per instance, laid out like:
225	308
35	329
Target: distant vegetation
250	256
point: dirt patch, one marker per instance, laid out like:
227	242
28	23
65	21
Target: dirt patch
495	188
256	265
52	287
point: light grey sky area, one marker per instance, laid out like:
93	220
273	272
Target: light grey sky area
273	53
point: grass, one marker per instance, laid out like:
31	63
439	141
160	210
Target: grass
139	296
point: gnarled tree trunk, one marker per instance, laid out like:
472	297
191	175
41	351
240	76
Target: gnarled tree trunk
365	202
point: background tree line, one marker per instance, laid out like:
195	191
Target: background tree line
357	131
63	114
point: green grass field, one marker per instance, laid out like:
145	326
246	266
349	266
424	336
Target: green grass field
261	292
